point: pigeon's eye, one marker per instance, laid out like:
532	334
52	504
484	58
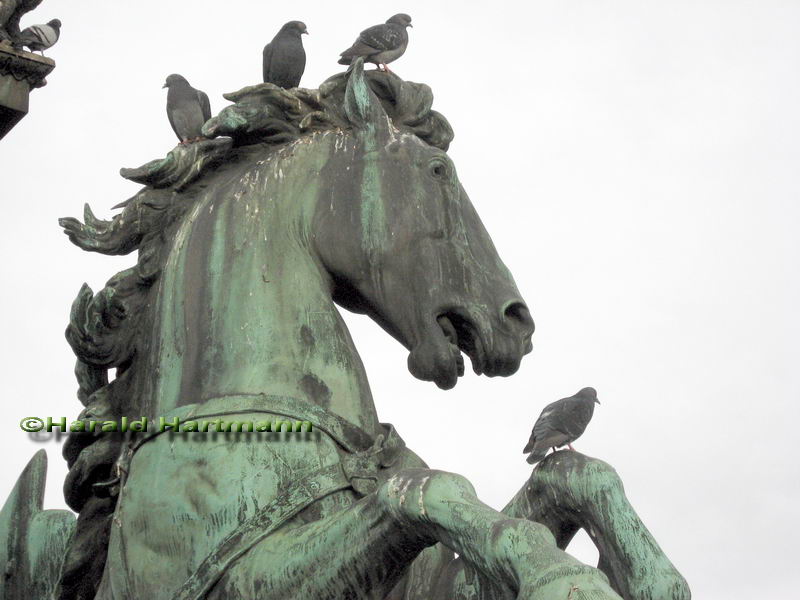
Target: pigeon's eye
439	169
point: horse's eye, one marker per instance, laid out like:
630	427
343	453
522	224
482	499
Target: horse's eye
439	170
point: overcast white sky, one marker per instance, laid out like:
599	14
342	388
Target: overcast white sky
636	163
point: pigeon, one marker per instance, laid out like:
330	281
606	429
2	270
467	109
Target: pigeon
284	58
40	37
380	44
187	108
561	423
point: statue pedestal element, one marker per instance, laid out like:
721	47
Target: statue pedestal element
20	72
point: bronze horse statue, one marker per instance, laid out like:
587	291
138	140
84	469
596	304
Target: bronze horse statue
300	200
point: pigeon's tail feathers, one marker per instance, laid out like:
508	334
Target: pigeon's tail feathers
26	39
529	446
350	53
536	457
358	49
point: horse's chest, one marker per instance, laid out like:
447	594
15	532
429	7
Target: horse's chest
185	494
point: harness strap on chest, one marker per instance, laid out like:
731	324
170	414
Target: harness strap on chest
300	494
349	437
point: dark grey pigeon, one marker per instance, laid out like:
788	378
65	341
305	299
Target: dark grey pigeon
561	423
284	58
380	44
39	37
187	108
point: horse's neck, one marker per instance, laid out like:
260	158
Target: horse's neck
245	309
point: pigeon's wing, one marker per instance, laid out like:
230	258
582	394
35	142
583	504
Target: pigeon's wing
267	61
572	417
300	65
48	35
43	36
171	117
374	40
205	105
543	426
382	37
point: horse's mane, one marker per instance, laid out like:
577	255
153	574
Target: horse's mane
266	113
111	329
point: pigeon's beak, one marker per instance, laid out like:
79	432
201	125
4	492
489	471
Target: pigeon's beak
165	85
410	25
305	31
597	401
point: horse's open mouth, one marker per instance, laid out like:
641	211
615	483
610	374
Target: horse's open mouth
463	335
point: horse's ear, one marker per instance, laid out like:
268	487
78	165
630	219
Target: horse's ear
361	105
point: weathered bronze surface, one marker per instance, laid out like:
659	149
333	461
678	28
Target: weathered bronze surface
303	199
20	72
11	11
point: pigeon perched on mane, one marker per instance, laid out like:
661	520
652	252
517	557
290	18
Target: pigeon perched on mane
187	109
561	423
380	44
284	58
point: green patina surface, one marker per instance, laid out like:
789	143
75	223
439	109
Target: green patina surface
305	199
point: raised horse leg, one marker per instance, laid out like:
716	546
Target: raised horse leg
569	491
364	550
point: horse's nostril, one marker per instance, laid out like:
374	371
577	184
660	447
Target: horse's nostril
518	313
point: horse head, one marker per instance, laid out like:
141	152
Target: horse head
403	244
